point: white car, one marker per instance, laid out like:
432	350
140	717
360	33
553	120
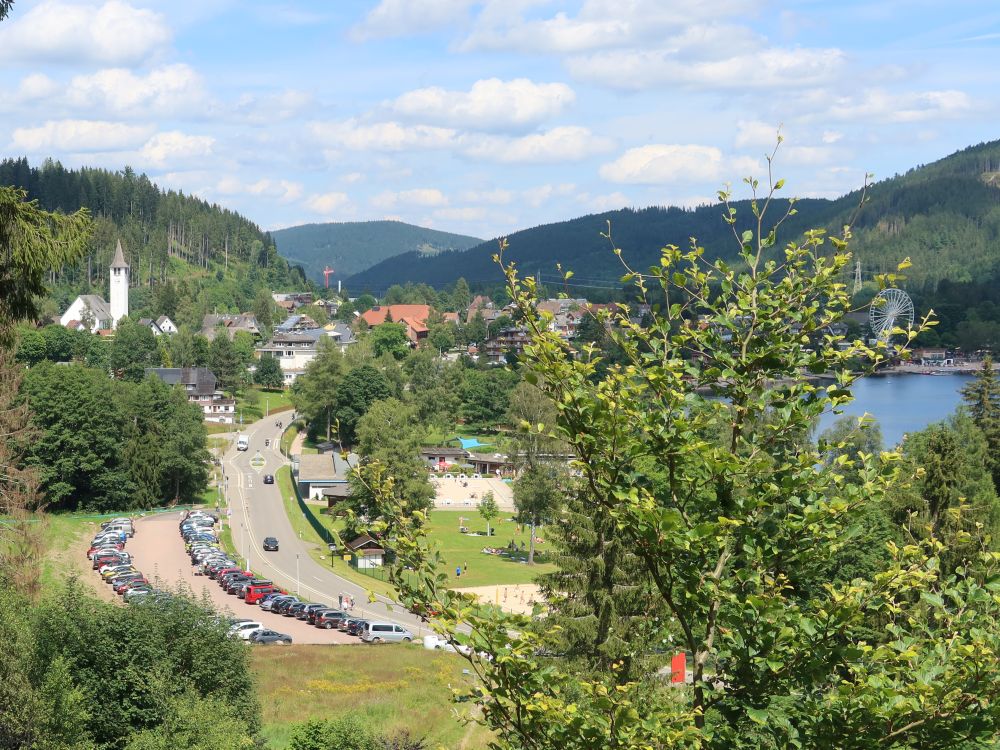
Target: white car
242	630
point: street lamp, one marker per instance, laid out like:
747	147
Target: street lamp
296	573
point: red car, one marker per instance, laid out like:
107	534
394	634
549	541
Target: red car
122	586
256	593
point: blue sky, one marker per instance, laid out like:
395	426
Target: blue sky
489	116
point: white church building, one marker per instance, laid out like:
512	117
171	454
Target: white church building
91	311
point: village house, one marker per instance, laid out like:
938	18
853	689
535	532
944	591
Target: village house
566	315
162	326
413	317
296	349
509	340
212	323
199	383
366	552
316	472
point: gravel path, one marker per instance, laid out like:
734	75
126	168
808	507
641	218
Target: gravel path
158	551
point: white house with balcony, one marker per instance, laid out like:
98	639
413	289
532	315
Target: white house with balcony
294	350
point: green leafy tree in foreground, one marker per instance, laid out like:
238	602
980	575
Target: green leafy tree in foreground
726	527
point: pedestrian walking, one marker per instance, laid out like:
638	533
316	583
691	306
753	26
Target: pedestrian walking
465	567
458	572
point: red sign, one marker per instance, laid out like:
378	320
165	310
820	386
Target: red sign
678	668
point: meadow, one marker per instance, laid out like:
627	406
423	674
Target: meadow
395	687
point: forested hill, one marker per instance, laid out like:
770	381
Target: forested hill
351	247
187	256
945	216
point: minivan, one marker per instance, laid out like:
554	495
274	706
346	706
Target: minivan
243	443
257	592
384	632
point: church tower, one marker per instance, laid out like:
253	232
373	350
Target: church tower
119	286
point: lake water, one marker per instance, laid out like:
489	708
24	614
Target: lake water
903	403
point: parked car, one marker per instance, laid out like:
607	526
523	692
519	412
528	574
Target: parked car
270	544
330	619
314	613
269	479
282	607
385	632
269	602
256	593
123	584
116	570
241	592
294	609
270	636
303	614
356	627
243	630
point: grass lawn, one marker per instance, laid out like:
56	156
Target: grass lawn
287	437
214	428
252	402
394	687
483	570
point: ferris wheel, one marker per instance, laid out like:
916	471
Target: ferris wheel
891	308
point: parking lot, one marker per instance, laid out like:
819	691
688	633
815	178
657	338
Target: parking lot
158	550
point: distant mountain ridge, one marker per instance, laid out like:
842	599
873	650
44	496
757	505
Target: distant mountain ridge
352	247
944	216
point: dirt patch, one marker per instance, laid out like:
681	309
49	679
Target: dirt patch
519	598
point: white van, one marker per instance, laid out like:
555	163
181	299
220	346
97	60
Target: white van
243	443
385	632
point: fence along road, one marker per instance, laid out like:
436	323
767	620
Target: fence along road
257	511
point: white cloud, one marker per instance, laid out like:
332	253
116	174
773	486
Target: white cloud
78	136
111	33
463	213
536	196
498	197
600	24
417	197
284	191
404	17
269	107
756	133
36	86
881	106
382	136
608	202
831	136
659	164
566	143
173	147
166	90
328	203
490	104
634	70
351	177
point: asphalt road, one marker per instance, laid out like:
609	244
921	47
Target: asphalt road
257	512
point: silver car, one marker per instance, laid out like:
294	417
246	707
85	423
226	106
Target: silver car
385	632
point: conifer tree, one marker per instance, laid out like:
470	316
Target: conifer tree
982	396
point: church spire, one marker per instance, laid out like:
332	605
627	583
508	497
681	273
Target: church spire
119	261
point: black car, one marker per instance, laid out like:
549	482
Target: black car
270	544
270	636
269	479
303	614
282	607
293	611
356	627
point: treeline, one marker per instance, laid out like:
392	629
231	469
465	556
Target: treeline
216	258
944	216
110	445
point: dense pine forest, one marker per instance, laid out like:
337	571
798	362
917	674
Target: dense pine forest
187	256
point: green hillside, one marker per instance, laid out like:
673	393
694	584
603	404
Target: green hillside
945	216
187	257
351	247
